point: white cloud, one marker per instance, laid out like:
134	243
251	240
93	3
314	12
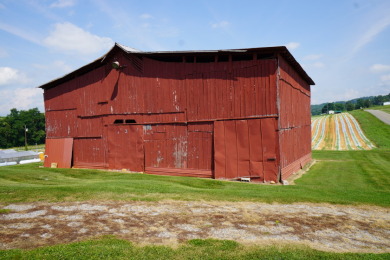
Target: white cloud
11	76
292	45
313	57
58	65
379	68
221	24
385	79
146	16
21	99
62	66
63	3
318	64
371	33
31	37
68	37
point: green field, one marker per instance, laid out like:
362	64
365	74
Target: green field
352	177
383	108
111	248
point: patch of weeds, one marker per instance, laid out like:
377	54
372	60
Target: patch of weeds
5	211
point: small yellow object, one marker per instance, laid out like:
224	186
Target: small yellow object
53	165
124	170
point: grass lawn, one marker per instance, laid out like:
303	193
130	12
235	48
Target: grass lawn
339	177
343	177
383	108
377	131
111	248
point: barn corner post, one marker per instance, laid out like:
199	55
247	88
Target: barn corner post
279	178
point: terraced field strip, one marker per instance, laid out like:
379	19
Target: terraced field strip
338	132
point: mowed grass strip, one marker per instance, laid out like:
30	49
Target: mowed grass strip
383	108
112	248
353	177
343	177
375	130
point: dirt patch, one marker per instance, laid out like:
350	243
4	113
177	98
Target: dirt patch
321	226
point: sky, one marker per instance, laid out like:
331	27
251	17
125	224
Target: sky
343	45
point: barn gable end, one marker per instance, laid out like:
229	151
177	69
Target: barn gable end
217	114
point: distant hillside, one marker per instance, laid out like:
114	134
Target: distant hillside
357	103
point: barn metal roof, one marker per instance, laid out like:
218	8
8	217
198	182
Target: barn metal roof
282	50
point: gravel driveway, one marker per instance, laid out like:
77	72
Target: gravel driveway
321	226
381	115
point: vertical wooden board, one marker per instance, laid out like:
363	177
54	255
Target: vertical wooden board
248	93
269	140
243	151
273	86
193	150
207	154
89	152
226	95
255	148
125	147
148	146
268	88
231	149
215	99
253	90
263	88
236	95
59	151
219	150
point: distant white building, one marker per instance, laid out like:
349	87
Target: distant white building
331	112
386	103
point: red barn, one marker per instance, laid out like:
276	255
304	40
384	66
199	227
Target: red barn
230	114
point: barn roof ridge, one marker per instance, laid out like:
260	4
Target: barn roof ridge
282	50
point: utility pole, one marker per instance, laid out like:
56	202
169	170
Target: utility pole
25	137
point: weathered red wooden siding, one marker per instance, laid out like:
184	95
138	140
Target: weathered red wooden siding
179	146
90	153
59	152
125	147
294	120
222	119
246	148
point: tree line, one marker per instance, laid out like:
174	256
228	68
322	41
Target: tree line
350	105
20	124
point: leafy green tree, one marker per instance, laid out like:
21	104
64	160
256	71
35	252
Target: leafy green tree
12	128
359	103
367	103
339	107
327	107
349	106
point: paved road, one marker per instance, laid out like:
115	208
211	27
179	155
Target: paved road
385	117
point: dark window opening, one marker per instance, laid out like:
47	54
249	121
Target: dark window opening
168	58
265	56
238	57
223	58
118	121
189	59
130	121
205	59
